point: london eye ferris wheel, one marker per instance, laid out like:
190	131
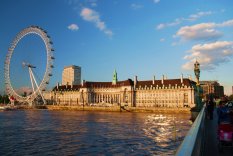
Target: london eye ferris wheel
37	88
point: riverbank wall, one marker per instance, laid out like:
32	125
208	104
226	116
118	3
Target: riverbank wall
121	109
107	109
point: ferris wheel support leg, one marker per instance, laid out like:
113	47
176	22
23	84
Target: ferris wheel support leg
37	86
30	74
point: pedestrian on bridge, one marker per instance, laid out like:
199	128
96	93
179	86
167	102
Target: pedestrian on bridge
210	108
223	112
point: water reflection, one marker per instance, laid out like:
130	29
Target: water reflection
90	133
167	131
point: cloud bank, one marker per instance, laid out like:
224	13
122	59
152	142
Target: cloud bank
209	55
202	31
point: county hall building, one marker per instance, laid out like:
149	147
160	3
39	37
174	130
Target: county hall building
134	93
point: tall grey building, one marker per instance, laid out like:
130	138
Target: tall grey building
71	75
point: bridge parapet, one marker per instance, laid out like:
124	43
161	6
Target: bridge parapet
192	144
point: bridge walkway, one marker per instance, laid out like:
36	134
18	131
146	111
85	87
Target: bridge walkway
211	141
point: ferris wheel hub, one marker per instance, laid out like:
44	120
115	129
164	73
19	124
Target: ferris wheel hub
25	64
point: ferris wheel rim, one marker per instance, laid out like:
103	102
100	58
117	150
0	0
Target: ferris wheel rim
49	62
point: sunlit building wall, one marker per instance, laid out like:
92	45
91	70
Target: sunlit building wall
71	75
152	93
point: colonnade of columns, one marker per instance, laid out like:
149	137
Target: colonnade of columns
105	98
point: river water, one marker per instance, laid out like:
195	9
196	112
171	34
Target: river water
43	132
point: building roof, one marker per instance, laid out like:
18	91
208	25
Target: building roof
166	83
129	82
72	66
210	83
90	84
67	87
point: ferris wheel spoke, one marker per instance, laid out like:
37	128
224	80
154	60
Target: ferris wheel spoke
30	74
36	85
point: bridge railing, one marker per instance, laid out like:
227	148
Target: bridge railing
193	143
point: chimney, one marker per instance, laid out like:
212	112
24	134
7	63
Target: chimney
83	82
181	79
66	85
162	79
135	80
154	79
57	85
71	85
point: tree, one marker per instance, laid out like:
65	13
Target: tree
4	99
1	99
230	97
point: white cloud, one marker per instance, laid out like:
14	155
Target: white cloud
92	16
161	26
198	15
178	21
73	27
136	6
162	39
156	1
209	55
226	23
174	23
202	31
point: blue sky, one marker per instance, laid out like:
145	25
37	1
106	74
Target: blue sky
135	37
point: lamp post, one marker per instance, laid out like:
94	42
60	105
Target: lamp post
197	74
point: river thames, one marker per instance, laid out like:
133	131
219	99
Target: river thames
43	132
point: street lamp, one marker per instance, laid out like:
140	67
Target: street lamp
197	74
197	71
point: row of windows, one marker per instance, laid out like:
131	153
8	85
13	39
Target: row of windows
160	96
161	93
160	101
